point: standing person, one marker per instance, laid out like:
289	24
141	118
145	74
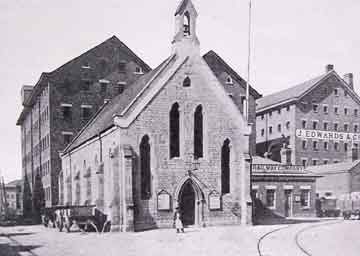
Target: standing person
177	221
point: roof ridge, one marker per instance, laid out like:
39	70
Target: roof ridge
234	73
298	84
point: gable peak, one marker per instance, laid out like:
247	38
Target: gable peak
185	5
185	40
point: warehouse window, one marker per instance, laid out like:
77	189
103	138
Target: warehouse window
225	167
288	125
66	111
145	168
326	126
270	130
336	92
304	161
326	109
326	145
67	138
122	67
356	128
305	198
336	110
303	124
85	112
174	131
315	145
315	123
336	146
346	110
346	147
356	111
315	107
85	85
336	126
262	132
346	127
198	133
138	70
270	198
279	127
304	144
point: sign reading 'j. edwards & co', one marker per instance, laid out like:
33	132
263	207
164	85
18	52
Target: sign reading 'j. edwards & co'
328	135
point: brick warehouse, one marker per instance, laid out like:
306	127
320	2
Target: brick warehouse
174	138
281	189
316	122
62	102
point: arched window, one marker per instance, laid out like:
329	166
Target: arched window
187	82
174	131
187	24
145	168
225	167
198	133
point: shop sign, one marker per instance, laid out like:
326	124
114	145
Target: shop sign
277	167
327	135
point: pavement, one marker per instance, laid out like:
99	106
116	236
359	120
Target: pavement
321	238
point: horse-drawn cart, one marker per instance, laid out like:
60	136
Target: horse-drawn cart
87	218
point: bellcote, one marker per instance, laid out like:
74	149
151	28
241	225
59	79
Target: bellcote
185	29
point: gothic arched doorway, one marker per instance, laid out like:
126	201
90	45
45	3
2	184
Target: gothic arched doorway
187	201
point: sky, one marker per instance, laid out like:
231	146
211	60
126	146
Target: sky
292	41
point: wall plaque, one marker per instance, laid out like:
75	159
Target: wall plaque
214	201
163	201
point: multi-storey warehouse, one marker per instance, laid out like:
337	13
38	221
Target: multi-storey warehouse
62	102
315	122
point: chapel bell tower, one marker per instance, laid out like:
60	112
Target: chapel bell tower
185	39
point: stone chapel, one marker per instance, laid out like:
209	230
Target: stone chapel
174	138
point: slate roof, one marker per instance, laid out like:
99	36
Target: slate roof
333	168
103	119
218	66
14	183
263	160
288	94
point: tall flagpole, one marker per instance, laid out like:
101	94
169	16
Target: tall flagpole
248	67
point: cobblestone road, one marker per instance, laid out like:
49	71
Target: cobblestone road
329	240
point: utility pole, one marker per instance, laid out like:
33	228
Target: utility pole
248	67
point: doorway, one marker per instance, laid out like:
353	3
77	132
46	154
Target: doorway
187	199
288	203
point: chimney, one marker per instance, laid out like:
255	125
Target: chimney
349	79
329	67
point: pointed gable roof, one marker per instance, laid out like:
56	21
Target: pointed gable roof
288	94
218	66
103	119
298	91
182	6
335	168
62	70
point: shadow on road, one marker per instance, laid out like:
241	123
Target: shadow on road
17	234
8	249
